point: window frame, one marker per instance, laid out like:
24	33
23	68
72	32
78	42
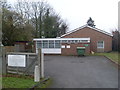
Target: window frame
102	44
45	44
57	44
38	44
51	44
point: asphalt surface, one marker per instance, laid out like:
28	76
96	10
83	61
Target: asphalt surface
81	72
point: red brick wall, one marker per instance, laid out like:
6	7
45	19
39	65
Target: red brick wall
95	36
73	49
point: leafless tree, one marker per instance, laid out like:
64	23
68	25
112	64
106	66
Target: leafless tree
34	13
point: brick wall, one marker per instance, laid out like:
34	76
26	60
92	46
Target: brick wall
95	36
73	48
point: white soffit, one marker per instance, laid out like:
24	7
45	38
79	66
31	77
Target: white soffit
40	39
51	51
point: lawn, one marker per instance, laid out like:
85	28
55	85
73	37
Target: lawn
15	82
19	82
112	55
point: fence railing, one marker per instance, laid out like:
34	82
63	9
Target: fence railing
23	63
30	62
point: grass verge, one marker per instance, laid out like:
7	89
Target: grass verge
16	81
112	55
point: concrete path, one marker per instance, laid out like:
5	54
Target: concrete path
81	72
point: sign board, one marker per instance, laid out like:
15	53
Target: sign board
86	45
17	60
68	46
63	46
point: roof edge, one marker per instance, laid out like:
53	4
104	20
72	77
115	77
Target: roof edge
37	39
99	30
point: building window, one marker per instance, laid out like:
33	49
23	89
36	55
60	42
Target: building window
84	41
100	44
76	41
72	41
57	44
45	44
69	41
64	41
51	44
39	44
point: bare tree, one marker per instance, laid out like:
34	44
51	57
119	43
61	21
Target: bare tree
34	13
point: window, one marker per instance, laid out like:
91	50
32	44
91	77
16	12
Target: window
45	44
100	44
39	44
51	44
69	41
63	46
72	41
64	41
83	41
76	41
79	41
57	44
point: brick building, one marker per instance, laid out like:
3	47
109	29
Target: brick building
100	41
93	39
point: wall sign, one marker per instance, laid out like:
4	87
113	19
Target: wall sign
68	46
63	46
86	45
17	60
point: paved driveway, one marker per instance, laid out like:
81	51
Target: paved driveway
81	72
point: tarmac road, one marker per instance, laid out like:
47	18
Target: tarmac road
81	72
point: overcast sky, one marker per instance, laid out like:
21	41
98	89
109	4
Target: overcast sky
77	12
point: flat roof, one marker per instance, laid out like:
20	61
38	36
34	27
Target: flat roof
40	39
